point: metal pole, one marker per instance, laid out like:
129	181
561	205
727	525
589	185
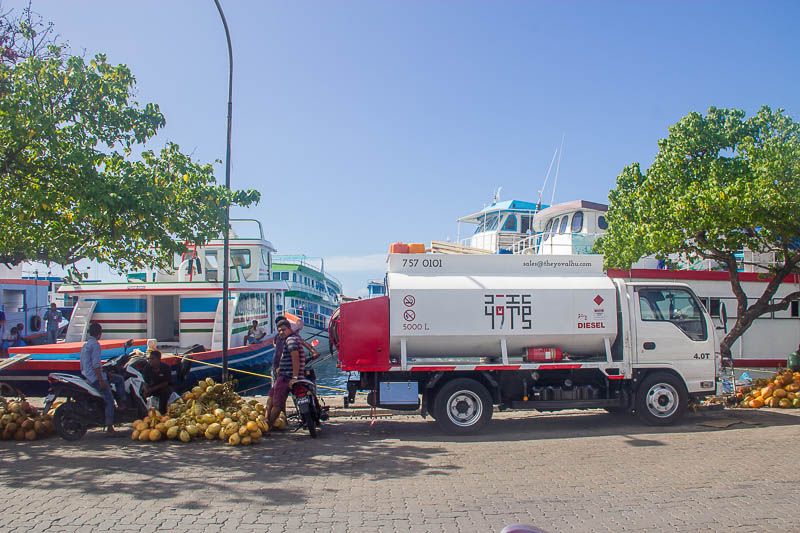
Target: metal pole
226	237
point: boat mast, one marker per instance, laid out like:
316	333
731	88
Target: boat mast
558	167
546	177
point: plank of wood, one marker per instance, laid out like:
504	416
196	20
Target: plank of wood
14	360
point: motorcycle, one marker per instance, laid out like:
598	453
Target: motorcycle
310	410
84	407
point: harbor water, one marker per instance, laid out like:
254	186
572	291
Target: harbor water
328	375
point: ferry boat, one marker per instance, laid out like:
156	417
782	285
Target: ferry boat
181	308
312	295
571	228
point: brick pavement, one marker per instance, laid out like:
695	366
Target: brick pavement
575	472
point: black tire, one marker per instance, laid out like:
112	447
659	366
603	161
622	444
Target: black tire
661	399
462	406
310	423
67	424
35	323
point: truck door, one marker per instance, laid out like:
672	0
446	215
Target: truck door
673	331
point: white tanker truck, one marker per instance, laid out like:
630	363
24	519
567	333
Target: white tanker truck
458	334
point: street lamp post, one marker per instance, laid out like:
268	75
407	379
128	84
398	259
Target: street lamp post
226	237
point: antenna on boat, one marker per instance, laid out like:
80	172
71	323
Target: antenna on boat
497	195
547	177
558	167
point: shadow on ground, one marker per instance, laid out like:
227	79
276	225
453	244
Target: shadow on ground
522	426
282	468
260	474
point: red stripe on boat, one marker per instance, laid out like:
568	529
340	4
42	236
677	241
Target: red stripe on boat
74	347
105	321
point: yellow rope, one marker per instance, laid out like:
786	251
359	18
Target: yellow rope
251	373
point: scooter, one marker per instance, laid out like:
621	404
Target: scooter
309	408
84	407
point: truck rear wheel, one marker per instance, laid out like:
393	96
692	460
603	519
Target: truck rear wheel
462	406
661	399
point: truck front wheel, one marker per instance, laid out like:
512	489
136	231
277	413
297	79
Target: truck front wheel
462	406
661	399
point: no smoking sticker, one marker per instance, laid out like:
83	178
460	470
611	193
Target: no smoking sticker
409	301
409	315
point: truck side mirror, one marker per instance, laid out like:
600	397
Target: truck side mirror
723	316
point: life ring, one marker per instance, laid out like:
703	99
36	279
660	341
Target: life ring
36	323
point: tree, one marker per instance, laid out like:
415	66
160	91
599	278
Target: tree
720	183
71	183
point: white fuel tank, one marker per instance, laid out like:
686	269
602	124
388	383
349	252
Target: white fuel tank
470	305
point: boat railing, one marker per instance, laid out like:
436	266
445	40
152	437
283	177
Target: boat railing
302	287
576	244
317	320
241	229
303	260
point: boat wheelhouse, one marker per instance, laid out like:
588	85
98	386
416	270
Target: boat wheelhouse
500	225
180	307
376	289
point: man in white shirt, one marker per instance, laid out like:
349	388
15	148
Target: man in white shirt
255	333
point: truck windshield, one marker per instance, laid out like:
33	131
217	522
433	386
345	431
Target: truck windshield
674	305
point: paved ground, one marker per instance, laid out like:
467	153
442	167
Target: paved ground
576	472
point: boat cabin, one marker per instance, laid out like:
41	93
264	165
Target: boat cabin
569	228
182	306
500	225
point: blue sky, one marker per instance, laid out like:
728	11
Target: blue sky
368	122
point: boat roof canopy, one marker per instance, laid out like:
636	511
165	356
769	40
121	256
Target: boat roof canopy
517	206
545	214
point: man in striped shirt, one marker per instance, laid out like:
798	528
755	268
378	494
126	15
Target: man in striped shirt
291	368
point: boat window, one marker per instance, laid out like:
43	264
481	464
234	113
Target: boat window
276	275
211	265
265	256
240	258
525	224
511	223
547	229
294	276
677	306
481	226
601	222
13	301
563	227
794	310
577	222
491	223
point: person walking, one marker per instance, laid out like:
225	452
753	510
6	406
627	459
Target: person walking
52	318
